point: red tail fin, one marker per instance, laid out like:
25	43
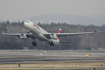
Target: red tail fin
59	31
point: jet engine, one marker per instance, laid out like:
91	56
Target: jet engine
53	36
23	36
53	42
56	42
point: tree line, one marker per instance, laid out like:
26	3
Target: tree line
87	42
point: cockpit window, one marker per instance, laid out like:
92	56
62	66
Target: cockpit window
27	21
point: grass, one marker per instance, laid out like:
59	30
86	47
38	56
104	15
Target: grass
53	66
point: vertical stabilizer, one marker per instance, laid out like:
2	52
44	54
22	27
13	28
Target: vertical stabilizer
59	31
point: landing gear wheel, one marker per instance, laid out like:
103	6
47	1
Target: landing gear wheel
34	43
51	43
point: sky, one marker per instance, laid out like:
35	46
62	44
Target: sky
14	10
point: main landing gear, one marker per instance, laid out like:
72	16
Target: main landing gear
51	43
34	43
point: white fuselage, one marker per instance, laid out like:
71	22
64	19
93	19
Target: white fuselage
38	32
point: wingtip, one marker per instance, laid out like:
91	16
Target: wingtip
95	31
2	32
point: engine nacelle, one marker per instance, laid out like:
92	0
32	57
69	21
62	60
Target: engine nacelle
53	36
23	36
55	42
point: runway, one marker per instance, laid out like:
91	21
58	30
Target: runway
52	59
43	56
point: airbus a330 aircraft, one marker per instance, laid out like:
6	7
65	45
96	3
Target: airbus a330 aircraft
37	32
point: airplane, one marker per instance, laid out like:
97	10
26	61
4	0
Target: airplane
36	32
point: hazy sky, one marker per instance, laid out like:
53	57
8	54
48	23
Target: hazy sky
25	9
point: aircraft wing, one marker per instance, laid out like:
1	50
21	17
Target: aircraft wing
68	34
28	34
73	34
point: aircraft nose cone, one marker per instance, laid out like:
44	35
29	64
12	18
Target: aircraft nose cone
25	24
